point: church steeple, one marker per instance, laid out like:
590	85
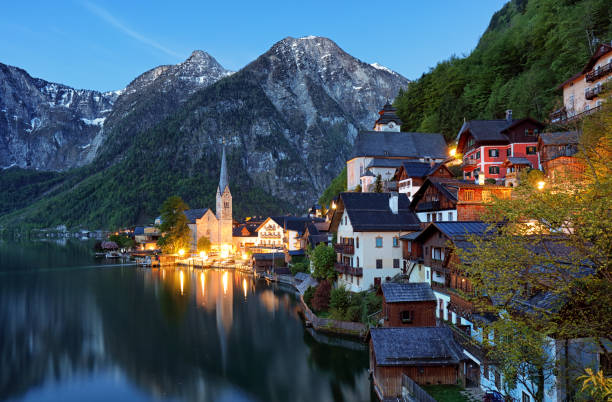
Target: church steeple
223	181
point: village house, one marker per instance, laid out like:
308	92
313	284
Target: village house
427	355
282	233
443	199
146	237
487	144
315	233
581	91
410	176
386	142
558	155
408	305
368	227
244	236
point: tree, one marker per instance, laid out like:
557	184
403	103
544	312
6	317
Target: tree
320	300
122	241
555	242
323	258
378	186
337	186
204	244
174	227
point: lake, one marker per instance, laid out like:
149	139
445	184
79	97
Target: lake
73	328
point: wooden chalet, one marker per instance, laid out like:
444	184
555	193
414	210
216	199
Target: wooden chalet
411	175
428	355
558	155
408	305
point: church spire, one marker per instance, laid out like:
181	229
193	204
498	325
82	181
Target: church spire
223	181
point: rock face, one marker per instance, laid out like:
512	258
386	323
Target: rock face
44	125
51	126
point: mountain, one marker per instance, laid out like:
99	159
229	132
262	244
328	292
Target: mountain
44	125
50	126
528	49
288	119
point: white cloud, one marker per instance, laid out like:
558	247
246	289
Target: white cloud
108	17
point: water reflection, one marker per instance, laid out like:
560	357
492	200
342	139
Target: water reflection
162	334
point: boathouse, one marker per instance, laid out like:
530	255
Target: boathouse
408	305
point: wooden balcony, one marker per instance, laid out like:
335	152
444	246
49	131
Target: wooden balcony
592	92
439	265
470	161
565	117
344	248
461	306
599	72
347	269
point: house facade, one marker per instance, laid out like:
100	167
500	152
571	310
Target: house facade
558	154
581	91
368	227
408	305
282	233
410	176
487	144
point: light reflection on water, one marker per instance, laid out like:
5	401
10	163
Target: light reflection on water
170	334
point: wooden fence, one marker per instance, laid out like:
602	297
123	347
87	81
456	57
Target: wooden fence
412	392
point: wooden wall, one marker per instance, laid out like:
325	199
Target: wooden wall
423	314
388	379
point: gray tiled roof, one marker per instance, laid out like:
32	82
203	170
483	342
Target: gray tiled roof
560	138
295	223
519	161
383	162
399	145
407	292
370	212
486	130
410	346
419	169
193	214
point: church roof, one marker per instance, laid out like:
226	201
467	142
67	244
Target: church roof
387	114
223	180
391	144
193	214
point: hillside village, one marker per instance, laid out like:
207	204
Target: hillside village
405	229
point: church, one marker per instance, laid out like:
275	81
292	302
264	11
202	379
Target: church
216	226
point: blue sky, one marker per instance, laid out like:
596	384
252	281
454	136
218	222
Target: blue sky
103	45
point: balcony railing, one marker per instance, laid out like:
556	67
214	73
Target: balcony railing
344	248
470	161
591	93
563	117
347	269
461	306
599	72
268	235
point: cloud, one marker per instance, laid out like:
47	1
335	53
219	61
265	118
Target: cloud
108	17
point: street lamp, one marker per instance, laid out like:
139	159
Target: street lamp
181	252
541	185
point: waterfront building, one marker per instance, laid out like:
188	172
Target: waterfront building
282	233
427	355
368	227
408	305
581	91
388	143
487	144
245	236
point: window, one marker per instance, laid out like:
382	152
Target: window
468	174
396	242
531	150
379	242
437	253
396	263
486	196
450	216
493	169
478	155
509	152
406	316
357	245
357	262
439	216
433	217
428	217
493	153
378	264
469	195
345	219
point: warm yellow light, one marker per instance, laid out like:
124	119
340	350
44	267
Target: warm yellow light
224	281
182	279
225	250
181	252
541	185
203	256
245	256
202	282
333	205
244	287
452	152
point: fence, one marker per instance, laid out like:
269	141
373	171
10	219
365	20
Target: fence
412	392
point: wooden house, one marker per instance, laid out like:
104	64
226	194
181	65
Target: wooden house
428	355
408	305
558	155
410	175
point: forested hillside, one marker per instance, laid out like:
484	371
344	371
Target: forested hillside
529	48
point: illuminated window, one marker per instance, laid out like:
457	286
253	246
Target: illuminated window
469	195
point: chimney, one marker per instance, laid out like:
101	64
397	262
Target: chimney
432	163
509	114
393	201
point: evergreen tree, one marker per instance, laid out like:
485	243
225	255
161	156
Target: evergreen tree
174	226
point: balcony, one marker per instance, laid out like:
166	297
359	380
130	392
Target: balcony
439	265
599	72
591	93
564	117
470	161
347	269
461	306
270	235
344	248
340	267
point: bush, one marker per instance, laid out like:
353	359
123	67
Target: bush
324	258
308	294
490	181
300	267
340	300
320	300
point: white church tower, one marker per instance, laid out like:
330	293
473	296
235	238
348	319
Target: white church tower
224	204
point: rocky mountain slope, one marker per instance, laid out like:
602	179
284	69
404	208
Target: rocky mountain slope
50	126
288	119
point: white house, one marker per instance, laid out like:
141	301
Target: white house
368	227
282	232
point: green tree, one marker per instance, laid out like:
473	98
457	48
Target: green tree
122	241
174	226
204	244
337	186
339	302
378	185
556	241
323	258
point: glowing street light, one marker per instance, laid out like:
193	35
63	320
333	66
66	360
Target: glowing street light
541	185
452	152
203	256
181	252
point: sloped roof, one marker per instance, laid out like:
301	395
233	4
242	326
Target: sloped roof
601	51
486	130
193	214
455	229
294	223
407	292
399	145
410	346
560	138
518	161
447	187
371	212
139	230
387	114
250	227
382	162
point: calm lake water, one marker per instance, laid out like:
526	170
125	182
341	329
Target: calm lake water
76	329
